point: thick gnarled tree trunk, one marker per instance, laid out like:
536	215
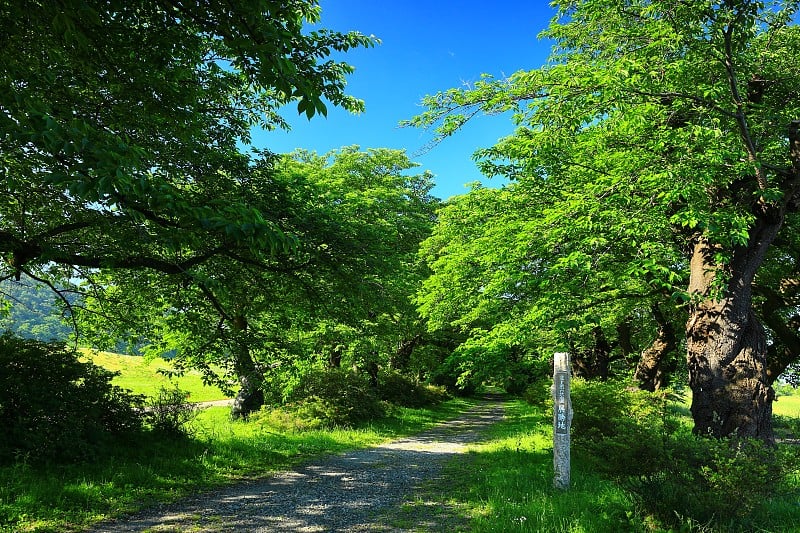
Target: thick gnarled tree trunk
727	349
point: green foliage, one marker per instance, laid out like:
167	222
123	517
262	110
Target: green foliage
454	379
398	389
646	161
341	298
617	424
637	438
55	408
169	411
34	312
336	397
537	393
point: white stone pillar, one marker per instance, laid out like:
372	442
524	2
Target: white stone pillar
562	420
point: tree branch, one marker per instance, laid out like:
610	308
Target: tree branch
740	116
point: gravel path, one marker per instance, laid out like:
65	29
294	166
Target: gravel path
363	490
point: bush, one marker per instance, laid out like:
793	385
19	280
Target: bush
538	393
53	407
284	420
401	390
621	427
454	383
634	437
170	413
335	397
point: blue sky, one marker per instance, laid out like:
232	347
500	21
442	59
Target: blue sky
427	46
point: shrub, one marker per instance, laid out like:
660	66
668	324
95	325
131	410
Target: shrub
284	420
538	393
634	437
621	427
335	397
169	412
53	407
401	390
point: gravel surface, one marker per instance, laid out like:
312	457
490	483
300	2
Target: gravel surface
360	491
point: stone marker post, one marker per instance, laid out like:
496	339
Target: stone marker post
562	420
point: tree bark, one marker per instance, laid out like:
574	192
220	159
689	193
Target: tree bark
650	371
593	363
401	358
250	397
726	344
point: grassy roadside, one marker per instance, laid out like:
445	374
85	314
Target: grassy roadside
153	470
505	484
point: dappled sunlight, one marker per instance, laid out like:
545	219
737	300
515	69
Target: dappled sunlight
338	493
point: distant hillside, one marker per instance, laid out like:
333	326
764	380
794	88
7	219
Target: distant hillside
32	311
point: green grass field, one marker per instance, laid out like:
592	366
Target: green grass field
787	405
143	377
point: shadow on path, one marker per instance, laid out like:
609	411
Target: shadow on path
337	493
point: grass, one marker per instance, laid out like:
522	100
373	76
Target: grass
503	484
63	498
787	405
143	376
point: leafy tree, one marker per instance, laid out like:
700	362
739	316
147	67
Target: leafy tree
122	129
504	272
662	142
341	298
121	125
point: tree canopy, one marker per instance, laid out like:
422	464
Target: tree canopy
124	127
341	297
656	156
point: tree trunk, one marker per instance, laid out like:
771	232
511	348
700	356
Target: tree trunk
250	396
401	358
726	343
650	371
593	363
335	356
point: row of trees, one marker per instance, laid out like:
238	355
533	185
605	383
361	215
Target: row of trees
655	173
127	181
655	181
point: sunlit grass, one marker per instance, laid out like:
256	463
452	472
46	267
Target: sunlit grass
158	469
144	377
787	405
505	484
